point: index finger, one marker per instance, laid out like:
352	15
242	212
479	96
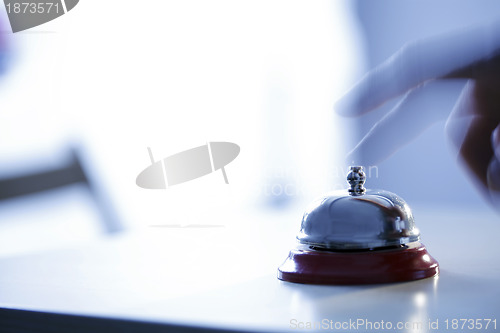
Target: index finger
418	62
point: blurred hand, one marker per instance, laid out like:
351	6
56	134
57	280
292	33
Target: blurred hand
420	71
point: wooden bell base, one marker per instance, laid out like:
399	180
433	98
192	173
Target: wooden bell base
306	265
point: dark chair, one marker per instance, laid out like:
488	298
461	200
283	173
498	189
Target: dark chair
72	173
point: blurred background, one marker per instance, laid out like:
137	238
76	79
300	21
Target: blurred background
85	95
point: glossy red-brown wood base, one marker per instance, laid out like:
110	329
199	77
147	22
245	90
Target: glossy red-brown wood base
305	265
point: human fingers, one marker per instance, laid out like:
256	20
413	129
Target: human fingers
487	69
420	108
418	62
493	172
470	128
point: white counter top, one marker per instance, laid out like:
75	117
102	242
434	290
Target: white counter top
226	277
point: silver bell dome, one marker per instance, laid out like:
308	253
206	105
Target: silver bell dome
358	219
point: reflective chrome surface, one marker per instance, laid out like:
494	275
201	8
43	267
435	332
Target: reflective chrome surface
358	219
356	178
